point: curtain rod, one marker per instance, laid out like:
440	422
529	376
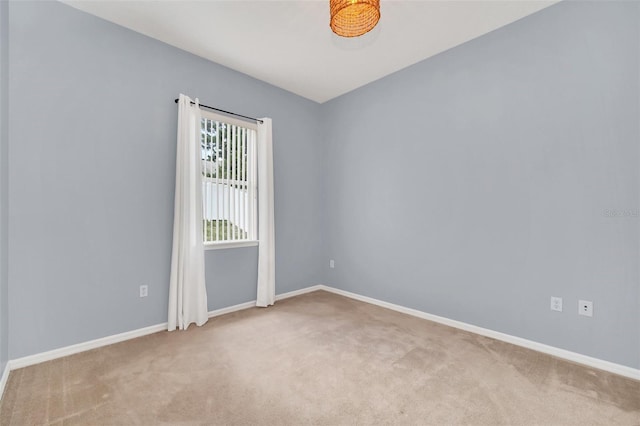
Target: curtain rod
257	120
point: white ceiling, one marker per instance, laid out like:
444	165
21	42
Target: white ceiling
290	45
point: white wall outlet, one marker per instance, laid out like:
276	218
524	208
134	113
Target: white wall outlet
332	264
144	290
585	307
556	304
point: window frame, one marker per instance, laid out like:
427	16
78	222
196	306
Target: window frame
227	244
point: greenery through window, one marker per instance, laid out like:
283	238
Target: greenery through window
229	189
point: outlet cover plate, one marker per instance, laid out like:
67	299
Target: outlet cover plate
585	307
556	304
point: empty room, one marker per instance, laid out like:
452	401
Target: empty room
319	212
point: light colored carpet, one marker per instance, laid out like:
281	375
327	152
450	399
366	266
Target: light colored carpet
318	359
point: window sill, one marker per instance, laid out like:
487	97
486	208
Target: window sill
229	244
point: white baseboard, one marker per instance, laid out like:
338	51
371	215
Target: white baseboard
299	292
4	378
234	308
84	346
600	364
252	303
116	338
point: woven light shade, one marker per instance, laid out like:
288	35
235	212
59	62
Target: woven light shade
352	18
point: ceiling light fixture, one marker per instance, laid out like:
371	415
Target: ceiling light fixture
352	18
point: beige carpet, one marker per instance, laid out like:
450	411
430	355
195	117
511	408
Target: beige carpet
317	359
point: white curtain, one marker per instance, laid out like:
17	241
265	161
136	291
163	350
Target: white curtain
187	291
266	227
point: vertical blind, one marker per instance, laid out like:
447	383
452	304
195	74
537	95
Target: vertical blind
229	178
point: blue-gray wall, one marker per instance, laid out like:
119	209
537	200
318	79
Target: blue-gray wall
472	185
475	184
4	188
91	182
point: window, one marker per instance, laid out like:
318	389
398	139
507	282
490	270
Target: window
229	181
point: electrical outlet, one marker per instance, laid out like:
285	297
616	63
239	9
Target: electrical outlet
585	307
556	304
144	290
332	264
